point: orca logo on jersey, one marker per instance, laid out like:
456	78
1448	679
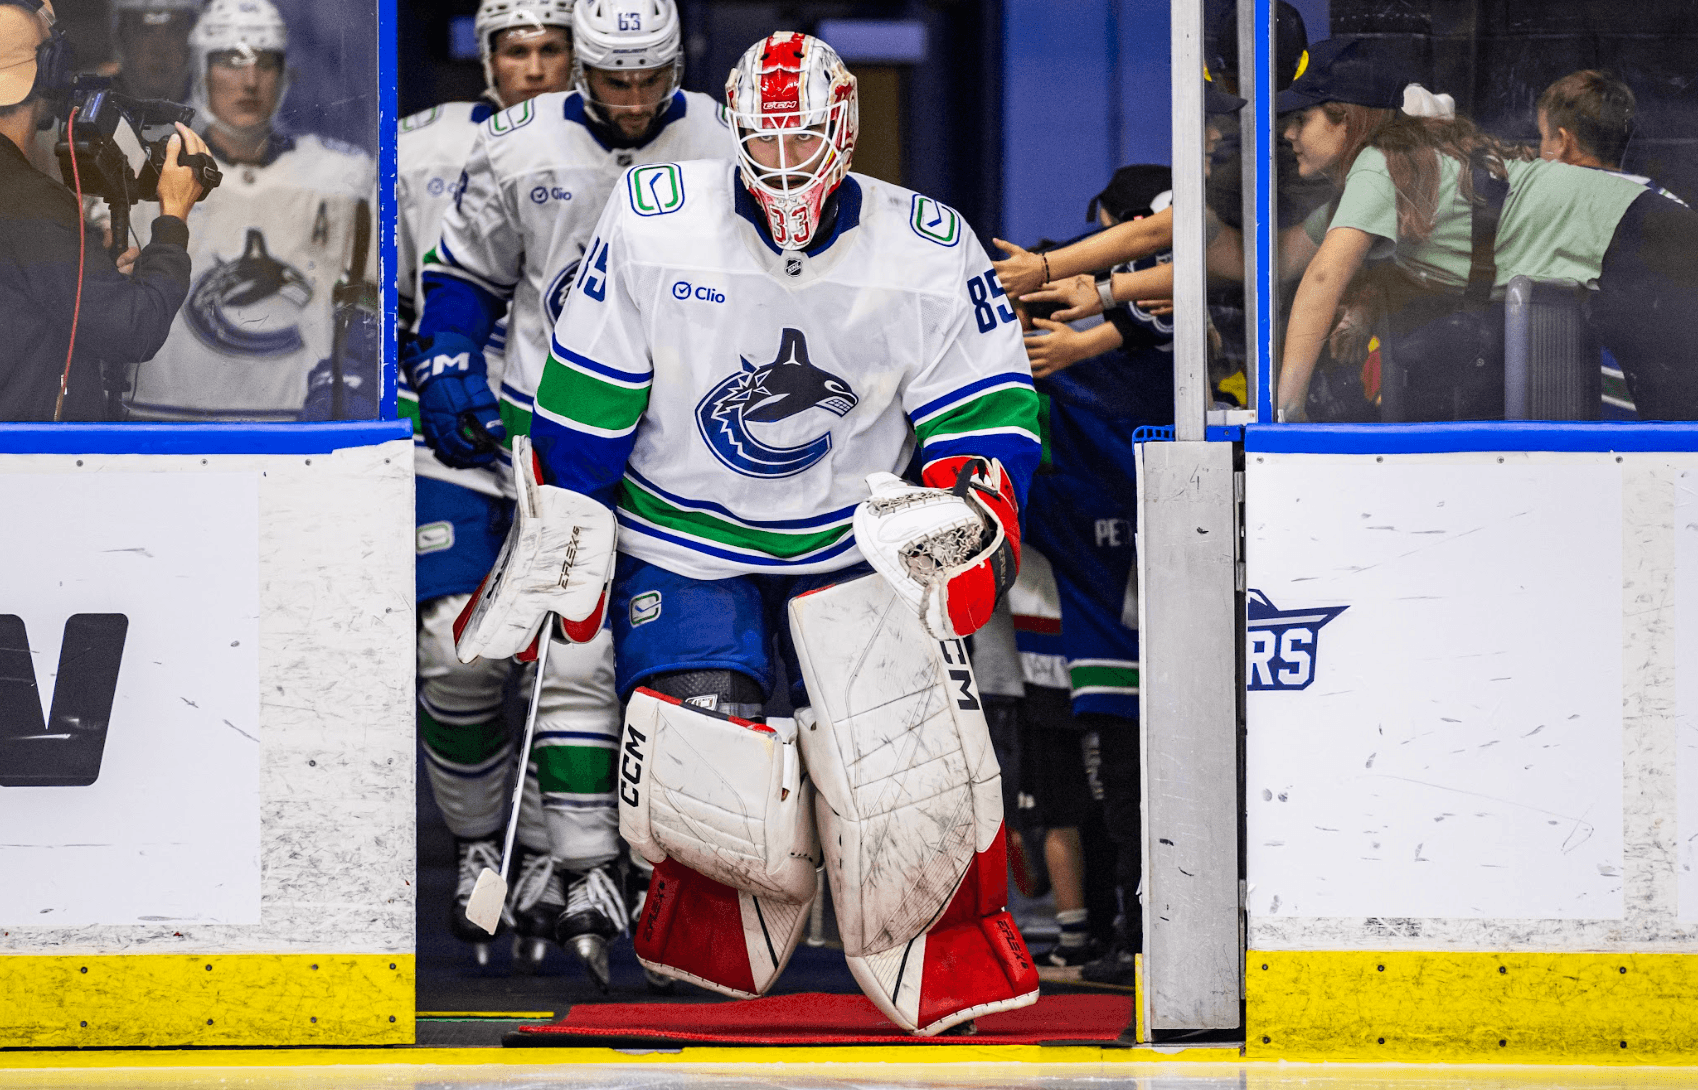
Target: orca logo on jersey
65	750
1282	645
746	419
249	306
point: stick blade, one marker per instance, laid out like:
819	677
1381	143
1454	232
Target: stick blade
488	897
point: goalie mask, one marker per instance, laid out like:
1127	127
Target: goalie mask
238	34
495	16
636	48
793	108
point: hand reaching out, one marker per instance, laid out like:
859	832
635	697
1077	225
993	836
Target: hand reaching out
1021	272
1077	294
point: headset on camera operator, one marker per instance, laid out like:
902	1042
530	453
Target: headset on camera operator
68	309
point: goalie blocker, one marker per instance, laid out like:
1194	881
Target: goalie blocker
906	795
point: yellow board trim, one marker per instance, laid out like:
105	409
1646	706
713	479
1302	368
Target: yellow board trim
1460	1006
154	1000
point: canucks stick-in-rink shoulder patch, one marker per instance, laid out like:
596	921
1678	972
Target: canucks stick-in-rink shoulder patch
434	537
1282	645
760	422
415	122
935	222
515	117
656	189
645	607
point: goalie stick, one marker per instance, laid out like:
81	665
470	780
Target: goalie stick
490	894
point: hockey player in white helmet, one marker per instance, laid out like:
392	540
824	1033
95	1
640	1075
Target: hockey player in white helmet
270	249
751	352
151	40
534	184
526	50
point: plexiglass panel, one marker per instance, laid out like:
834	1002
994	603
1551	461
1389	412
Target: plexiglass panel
1482	213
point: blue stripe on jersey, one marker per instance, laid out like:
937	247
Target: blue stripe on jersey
591	465
635	527
517	396
673	498
967	391
1038	643
1018	454
602	369
453	305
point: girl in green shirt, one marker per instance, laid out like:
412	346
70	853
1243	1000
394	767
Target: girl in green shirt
1406	189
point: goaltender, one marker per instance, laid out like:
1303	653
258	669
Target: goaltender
121	314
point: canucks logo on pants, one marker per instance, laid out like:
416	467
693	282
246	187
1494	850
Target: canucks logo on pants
747	417
249	306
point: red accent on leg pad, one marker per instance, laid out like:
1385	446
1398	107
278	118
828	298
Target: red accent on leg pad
974	953
585	630
693	923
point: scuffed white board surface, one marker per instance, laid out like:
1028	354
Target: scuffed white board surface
1686	681
169	832
336	663
1459	754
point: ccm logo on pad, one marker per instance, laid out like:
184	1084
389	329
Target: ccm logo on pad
631	767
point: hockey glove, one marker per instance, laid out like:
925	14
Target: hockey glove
558	558
950	550
457	410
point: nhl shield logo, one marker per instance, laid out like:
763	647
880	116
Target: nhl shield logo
249	306
760	422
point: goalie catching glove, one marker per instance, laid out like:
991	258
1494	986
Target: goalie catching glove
950	550
558	558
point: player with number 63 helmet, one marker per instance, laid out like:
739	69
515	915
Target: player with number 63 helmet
628	61
793	106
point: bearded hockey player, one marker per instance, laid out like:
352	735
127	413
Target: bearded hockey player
269	251
462	516
751	352
535	182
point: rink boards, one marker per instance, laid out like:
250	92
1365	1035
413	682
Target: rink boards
1471	758
238	870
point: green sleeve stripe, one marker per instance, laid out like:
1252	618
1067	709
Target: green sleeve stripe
705	526
1003	410
575	395
407	405
1124	678
518	421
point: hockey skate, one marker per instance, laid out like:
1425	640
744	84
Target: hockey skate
594	916
472	857
537	900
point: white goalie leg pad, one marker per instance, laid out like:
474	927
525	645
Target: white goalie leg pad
897	747
558	557
722	796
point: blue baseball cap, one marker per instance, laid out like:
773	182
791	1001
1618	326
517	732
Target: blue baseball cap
1364	71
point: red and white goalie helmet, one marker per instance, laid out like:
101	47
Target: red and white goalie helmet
789	84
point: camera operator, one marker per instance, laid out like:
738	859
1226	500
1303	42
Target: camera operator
52	274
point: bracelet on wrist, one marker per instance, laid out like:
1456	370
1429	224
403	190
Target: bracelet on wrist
1046	267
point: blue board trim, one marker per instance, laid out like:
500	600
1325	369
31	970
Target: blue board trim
199	438
1446	438
387	133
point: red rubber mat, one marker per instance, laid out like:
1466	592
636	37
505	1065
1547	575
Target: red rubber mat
812	1018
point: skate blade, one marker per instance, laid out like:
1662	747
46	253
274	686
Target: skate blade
592	951
659	983
488	898
528	955
480	953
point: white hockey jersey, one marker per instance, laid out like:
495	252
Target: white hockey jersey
430	156
730	398
268	247
536	181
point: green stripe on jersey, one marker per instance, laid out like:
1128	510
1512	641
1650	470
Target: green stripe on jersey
407	405
705	526
470	744
1010	407
518	421
582	397
1104	677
